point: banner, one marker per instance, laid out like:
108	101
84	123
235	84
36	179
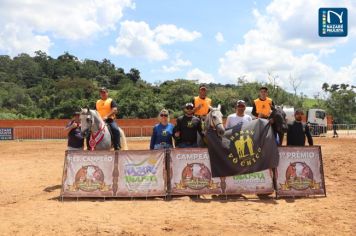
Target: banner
88	174
244	149
191	174
300	171
254	183
6	133
141	173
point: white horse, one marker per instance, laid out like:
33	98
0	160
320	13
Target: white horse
91	121
214	119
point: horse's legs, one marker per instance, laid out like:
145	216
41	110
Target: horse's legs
123	141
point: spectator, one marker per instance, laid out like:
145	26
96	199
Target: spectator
187	128
297	131
239	116
162	133
75	137
335	135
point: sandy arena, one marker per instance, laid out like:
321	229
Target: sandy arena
30	181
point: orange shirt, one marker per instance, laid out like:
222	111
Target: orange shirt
104	108
205	104
263	107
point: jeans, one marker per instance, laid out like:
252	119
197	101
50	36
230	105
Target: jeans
187	145
162	146
115	134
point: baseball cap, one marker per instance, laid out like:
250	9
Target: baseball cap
189	104
240	102
76	113
103	89
202	86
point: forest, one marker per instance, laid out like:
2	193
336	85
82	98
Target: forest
39	86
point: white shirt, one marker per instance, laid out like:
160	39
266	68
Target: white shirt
234	119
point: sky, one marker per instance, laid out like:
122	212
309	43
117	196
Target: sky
203	40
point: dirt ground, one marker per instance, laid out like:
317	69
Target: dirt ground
30	181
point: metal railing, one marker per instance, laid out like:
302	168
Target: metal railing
58	132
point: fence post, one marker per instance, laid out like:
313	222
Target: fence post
168	173
42	131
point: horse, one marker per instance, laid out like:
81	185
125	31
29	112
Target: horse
91	121
214	120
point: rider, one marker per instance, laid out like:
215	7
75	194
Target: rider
107	109
201	102
262	106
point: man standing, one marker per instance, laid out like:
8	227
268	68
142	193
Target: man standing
107	109
297	131
335	134
201	102
187	127
262	106
238	117
75	137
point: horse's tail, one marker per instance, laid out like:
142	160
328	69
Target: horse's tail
123	140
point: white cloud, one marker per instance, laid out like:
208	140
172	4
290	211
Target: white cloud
176	65
137	39
201	76
34	22
285	41
219	37
168	34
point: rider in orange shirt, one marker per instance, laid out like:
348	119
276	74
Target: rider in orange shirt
107	109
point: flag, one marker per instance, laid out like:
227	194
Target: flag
246	148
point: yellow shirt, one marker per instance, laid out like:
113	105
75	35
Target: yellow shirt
104	108
205	104
263	107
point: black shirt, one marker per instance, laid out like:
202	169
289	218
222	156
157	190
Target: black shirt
296	134
188	127
75	138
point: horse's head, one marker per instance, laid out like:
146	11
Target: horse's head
86	120
214	119
278	120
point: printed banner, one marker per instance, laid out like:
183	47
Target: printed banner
6	133
191	172
300	171
88	174
254	183
246	148
141	173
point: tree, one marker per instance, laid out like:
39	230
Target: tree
134	75
341	103
295	83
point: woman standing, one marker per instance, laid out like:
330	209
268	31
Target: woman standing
162	132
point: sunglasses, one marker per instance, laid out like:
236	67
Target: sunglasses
189	108
164	115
